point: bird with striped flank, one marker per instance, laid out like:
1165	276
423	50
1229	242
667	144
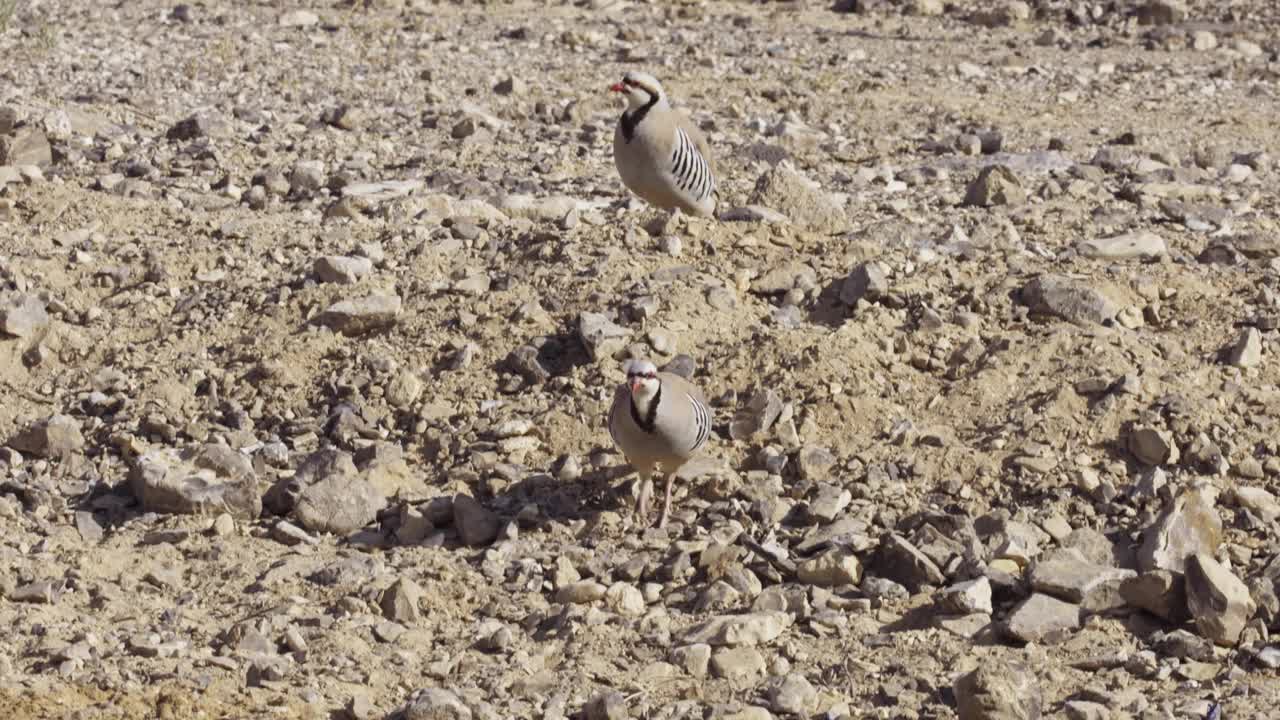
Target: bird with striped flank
660	154
657	419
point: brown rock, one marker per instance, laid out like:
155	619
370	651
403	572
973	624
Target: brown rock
1219	602
1189	524
998	691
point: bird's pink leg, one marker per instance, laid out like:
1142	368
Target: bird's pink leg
666	503
642	497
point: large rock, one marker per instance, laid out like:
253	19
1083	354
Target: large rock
338	503
399	603
601	337
476	524
1071	300
341	269
27	146
793	695
1160	592
1189	524
742	666
1153	447
55	437
23	316
363	315
1246	352
995	185
803	201
208	479
1044	619
837	566
735	630
1068	576
1140	244
903	562
998	691
1219	602
436	704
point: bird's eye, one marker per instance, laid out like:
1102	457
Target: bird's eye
628	82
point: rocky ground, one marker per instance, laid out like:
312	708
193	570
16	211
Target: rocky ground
310	314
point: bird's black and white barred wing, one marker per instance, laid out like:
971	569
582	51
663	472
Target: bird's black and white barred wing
701	421
691	171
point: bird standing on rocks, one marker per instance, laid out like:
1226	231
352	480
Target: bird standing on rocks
660	154
657	418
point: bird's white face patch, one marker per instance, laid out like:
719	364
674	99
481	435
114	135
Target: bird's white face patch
640	89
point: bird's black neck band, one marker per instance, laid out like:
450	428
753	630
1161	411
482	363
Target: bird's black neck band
631	120
646	422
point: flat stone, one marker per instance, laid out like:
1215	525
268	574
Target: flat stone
903	562
476	524
1188	524
784	189
299	19
1153	447
837	566
1258	501
400	602
1141	244
1219	602
792	694
868	281
23	316
57	436
339	503
967	598
995	185
342	270
1246	352
1093	587
27	146
1160	592
1071	300
998	690
740	666
436	704
363	315
581	592
740	630
601	337
693	658
1044	619
208	479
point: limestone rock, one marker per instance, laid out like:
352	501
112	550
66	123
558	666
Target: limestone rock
1071	300
204	480
995	185
837	566
740	630
1219	602
1042	618
1160	592
998	691
803	201
1074	579
23	316
57	436
1189	524
357	317
1141	244
476	524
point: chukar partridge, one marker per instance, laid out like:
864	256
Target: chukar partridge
657	418
660	154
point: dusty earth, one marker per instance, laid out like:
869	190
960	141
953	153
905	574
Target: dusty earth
959	423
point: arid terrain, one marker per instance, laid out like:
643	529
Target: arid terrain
311	313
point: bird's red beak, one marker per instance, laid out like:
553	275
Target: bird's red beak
635	384
617	87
